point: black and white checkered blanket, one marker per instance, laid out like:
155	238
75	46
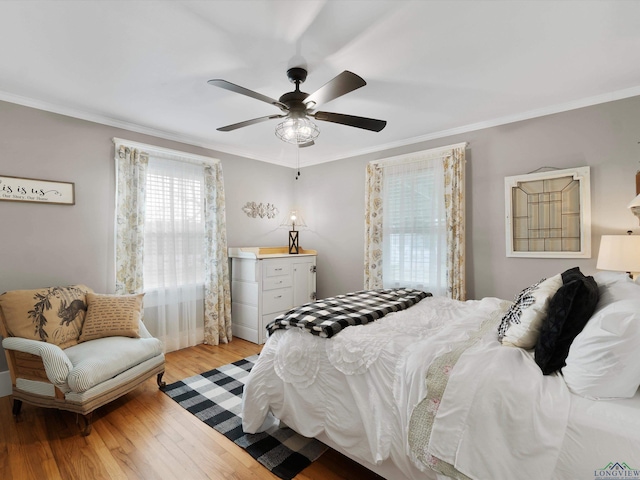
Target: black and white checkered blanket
327	317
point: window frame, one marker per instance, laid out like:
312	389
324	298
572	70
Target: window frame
580	174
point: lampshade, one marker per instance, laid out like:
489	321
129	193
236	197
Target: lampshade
293	219
619	253
634	206
297	130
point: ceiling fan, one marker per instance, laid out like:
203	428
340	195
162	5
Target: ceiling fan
297	106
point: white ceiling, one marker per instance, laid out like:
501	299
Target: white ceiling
433	67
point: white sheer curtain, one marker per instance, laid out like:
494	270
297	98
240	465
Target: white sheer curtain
174	252
414	228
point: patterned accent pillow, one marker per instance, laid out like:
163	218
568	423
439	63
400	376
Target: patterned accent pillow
54	314
521	301
524	325
112	316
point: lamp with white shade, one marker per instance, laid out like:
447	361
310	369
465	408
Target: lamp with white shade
293	219
634	206
619	253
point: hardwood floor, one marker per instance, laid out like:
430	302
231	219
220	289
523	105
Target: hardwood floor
143	435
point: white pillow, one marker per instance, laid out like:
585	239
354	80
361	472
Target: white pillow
604	359
613	287
605	277
524	326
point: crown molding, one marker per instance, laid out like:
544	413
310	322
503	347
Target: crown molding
541	112
198	142
132	127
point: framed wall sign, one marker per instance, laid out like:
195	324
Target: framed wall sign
16	189
548	214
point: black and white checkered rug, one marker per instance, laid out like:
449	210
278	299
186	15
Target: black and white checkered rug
215	397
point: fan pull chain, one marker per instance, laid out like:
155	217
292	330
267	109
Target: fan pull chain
298	164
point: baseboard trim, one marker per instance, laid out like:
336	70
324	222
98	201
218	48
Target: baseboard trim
5	384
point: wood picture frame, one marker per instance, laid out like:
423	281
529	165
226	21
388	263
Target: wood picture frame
18	189
548	214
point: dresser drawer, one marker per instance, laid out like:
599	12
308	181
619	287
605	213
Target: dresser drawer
282	281
277	300
276	269
266	282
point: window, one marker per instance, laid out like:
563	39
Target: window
415	222
169	245
174	224
414	239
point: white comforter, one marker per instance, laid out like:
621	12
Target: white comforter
498	414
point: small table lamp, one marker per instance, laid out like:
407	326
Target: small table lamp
620	253
291	220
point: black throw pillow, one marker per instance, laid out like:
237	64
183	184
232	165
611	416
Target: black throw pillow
569	311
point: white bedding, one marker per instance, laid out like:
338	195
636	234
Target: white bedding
600	432
498	416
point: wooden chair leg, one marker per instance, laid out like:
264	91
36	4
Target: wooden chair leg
86	420
161	384
17	406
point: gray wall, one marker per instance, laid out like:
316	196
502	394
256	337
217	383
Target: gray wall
44	245
604	137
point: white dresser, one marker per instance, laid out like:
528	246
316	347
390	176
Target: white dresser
265	282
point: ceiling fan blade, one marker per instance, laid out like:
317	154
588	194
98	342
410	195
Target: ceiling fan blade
351	120
246	123
216	82
340	85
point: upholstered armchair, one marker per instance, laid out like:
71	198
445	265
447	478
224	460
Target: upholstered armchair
74	350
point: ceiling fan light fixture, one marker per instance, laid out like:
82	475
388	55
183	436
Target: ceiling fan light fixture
297	131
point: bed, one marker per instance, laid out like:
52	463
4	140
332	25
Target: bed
478	389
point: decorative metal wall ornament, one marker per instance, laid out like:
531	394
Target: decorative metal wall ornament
253	210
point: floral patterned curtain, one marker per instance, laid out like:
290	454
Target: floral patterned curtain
131	173
373	228
217	300
453	161
454	166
